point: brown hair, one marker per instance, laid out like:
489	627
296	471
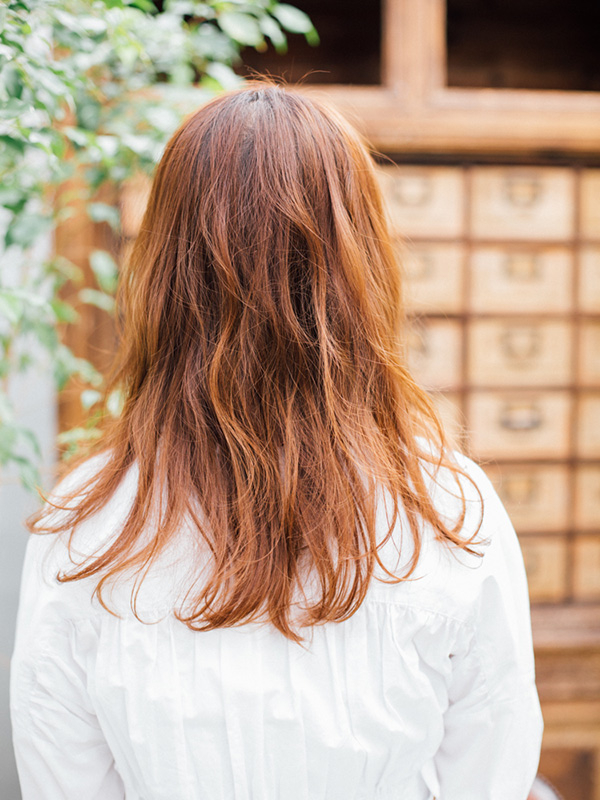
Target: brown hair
261	360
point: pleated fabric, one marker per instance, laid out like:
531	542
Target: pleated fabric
427	691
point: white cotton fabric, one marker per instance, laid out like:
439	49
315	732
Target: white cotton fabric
427	691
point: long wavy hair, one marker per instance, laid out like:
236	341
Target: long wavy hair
266	395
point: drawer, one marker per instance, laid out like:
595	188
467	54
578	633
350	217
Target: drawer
424	201
589	354
589	280
590	204
519	425
449	408
523	203
586	578
434	277
535	497
509	280
588	425
435	352
587	496
546	564
133	199
519	353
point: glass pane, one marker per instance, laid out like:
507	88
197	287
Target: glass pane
349	53
524	44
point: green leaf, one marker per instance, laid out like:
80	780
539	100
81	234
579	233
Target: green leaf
64	269
14	143
8	440
99	299
76	437
224	75
64	312
115	402
102	212
144	5
66	364
28	473
6	412
79	136
94	26
31	439
105	270
292	19
89	398
271	29
13	108
13	198
11	307
25	229
12	80
241	28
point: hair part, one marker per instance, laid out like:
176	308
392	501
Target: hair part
262	363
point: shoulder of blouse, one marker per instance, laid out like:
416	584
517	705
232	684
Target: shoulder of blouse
447	580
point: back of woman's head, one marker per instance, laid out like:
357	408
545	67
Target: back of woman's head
266	397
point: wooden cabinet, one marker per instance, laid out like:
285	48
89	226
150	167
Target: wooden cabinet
590	204
508	279
522	352
511	351
520	203
434	275
589	280
424	201
536	496
510	425
435	352
546	564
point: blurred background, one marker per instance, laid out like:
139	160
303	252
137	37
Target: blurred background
486	118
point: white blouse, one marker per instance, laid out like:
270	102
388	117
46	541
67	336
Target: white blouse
427	691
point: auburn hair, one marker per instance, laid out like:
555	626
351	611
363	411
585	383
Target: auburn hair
261	361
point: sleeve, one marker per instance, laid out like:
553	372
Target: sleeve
493	724
60	750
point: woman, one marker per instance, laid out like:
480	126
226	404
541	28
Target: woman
273	579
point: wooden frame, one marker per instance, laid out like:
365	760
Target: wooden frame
414	111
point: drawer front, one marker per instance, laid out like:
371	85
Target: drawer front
434	277
424	201
546	564
535	497
133	200
509	280
435	352
589	354
587	500
523	203
519	353
587	568
589	280
590	204
449	408
519	425
588	426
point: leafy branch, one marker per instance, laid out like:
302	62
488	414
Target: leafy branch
90	91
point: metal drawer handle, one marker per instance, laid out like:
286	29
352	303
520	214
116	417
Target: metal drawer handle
418	342
520	489
520	416
522	266
412	190
521	344
420	266
523	191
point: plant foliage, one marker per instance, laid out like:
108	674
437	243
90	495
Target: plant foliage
90	90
